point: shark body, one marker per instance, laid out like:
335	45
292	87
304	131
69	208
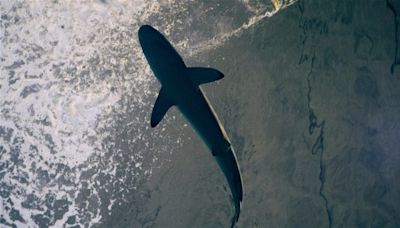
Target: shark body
180	87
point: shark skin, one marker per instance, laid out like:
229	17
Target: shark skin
180	88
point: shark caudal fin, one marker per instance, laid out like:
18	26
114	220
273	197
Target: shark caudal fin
235	217
160	108
201	75
227	162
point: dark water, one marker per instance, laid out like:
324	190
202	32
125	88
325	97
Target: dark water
310	100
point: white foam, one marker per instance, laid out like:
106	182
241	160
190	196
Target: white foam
59	118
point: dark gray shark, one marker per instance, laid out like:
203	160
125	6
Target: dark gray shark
180	87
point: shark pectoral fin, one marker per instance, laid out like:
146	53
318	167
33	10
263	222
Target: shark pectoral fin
201	75
160	108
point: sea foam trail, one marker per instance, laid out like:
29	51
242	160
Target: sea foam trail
261	11
58	82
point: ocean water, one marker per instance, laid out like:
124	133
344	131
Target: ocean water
76	95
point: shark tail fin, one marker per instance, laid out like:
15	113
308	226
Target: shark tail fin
235	217
229	165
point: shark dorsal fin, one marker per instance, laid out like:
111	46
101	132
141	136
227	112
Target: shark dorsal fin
160	108
201	75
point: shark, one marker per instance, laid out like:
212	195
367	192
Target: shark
181	87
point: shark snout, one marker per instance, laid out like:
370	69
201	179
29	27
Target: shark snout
147	33
145	29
